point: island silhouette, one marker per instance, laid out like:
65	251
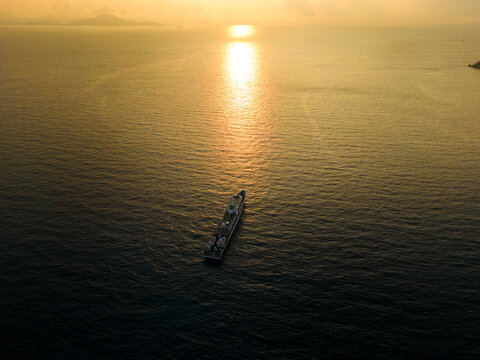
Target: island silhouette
111	20
100	20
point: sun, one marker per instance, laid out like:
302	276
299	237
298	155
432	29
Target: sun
239	31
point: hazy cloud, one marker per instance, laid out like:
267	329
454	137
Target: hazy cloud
331	8
105	10
303	7
331	12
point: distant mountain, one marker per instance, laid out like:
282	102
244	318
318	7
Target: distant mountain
111	20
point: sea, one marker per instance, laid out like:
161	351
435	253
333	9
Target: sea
359	150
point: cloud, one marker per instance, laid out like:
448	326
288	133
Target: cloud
331	8
330	12
317	8
303	7
104	10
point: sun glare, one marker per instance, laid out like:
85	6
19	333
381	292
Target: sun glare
241	64
239	31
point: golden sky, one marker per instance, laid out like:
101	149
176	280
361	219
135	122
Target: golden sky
326	12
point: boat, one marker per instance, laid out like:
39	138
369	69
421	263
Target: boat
220	239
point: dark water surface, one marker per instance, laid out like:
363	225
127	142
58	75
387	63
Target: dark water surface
360	153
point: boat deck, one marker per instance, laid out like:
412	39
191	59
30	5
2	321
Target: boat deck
220	239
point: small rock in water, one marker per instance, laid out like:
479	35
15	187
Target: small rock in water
476	65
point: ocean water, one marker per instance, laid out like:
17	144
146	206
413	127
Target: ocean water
359	149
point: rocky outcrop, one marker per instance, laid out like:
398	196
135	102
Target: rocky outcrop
476	65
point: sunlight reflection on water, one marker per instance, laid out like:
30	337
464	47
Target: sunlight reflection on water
241	74
244	131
